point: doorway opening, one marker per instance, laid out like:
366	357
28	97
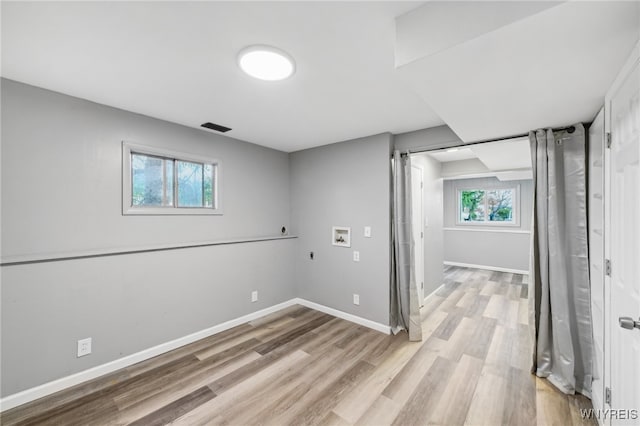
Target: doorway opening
472	212
472	208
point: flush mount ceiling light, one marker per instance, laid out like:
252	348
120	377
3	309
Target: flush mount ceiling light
266	63
452	150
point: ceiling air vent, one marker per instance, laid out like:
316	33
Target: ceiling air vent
216	127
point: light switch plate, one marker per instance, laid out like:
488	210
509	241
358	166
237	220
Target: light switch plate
367	232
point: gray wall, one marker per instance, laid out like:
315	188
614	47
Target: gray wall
345	184
61	192
433	213
62	177
497	246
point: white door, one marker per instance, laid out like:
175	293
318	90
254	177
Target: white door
418	231
623	243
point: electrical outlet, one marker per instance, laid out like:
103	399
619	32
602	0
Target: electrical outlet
356	299
367	232
254	296
356	256
84	347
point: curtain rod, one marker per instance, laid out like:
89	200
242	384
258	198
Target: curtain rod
569	129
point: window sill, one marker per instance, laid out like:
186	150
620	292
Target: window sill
171	211
487	229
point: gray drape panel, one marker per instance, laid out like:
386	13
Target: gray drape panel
404	309
559	280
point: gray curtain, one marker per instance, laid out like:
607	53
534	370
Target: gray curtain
404	309
559	280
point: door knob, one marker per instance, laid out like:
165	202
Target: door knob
628	323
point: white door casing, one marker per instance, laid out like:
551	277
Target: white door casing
596	253
417	226
622	240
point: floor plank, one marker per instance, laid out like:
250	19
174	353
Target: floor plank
422	402
461	385
382	412
487	403
228	398
177	408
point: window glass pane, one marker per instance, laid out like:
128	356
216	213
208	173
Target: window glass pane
472	206
208	185
149	183
190	188
500	205
169	179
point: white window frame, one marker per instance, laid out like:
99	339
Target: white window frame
127	207
515	204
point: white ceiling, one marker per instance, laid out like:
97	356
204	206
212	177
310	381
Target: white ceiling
428	29
507	160
536	67
504	155
454	154
550	69
177	61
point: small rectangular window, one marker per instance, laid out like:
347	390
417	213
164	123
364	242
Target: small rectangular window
488	206
157	181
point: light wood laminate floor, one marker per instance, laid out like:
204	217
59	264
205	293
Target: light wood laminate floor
303	367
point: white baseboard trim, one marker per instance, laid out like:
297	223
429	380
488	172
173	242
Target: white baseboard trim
45	389
489	268
49	388
349	317
433	293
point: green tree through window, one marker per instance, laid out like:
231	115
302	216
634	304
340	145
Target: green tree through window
472	203
477	205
